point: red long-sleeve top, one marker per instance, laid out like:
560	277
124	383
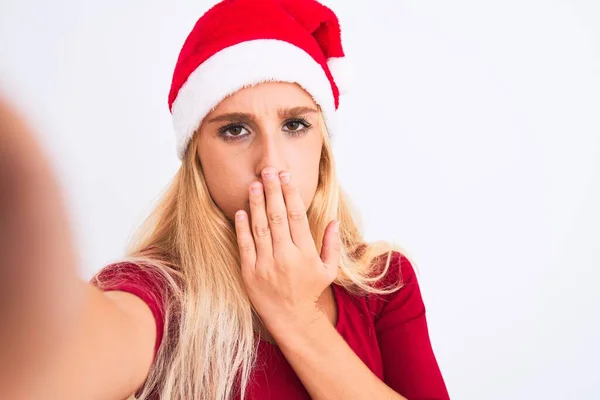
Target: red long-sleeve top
388	333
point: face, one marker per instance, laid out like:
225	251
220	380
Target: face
267	125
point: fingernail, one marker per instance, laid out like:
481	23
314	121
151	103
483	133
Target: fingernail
269	173
285	177
336	226
256	188
240	215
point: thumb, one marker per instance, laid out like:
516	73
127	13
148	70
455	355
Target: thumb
332	246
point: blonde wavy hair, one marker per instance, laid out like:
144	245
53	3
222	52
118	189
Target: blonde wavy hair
209	340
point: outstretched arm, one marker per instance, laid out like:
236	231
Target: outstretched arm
62	338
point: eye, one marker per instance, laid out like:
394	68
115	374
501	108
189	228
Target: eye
297	125
233	132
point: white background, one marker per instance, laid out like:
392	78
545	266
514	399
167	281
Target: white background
471	138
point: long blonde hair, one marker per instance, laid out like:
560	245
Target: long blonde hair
209	340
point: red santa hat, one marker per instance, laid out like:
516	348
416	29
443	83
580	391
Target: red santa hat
240	43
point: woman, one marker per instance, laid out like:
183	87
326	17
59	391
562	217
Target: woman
250	279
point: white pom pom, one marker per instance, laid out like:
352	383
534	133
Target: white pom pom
342	72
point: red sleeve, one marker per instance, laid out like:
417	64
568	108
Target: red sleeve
140	282
409	364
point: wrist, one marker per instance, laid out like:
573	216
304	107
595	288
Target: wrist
299	326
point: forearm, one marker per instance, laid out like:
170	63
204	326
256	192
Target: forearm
104	359
96	358
327	366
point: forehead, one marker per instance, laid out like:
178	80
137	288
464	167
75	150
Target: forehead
266	98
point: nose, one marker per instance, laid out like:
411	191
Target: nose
271	153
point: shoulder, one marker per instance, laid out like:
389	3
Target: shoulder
401	280
393	270
156	278
143	281
126	272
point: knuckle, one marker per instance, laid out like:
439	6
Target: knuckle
276	217
296	214
262	275
246	245
337	245
261	231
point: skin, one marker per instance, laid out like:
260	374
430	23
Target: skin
272	136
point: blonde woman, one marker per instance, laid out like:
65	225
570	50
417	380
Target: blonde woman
250	278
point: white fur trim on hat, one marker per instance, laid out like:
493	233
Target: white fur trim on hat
242	65
343	73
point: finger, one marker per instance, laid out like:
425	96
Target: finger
260	225
332	247
245	242
296	213
276	210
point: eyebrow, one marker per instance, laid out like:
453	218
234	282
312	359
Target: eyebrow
282	113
